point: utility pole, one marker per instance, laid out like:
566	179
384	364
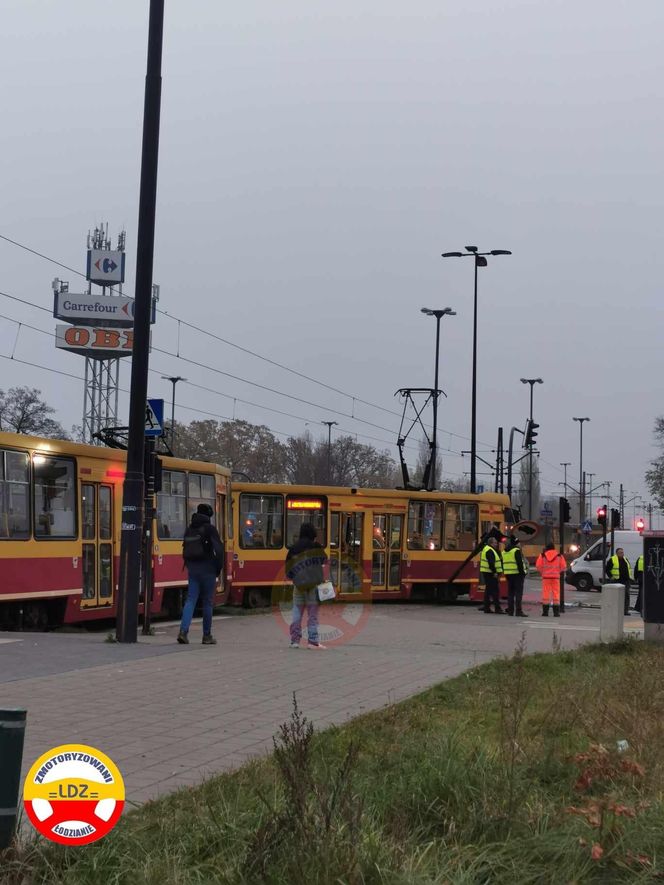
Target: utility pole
134	487
582	485
330	425
565	465
500	463
590	495
174	380
622	506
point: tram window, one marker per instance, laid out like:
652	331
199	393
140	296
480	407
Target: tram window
424	524
201	491
105	513
88	512
172	505
460	526
300	509
261	522
54	497
14	495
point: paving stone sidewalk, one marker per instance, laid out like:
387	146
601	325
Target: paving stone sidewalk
171	715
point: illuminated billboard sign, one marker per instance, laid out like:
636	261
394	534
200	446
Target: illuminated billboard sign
95	342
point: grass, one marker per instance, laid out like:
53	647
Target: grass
510	773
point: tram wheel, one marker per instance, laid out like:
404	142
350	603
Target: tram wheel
35	616
254	597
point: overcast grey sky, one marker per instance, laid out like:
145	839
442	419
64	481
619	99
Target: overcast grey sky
315	161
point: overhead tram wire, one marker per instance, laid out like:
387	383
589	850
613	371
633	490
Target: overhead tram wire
226	341
239	379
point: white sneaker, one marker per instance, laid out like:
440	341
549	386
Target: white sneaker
294	645
316	645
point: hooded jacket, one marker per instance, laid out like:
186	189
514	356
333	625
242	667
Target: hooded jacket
304	564
550	564
215	557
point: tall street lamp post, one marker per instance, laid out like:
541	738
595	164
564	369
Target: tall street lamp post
438	314
532	382
582	491
330	425
174	380
480	261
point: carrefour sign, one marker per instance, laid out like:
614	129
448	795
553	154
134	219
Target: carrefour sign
95	342
112	310
106	267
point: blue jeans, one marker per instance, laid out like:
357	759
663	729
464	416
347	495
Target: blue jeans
302	598
200	584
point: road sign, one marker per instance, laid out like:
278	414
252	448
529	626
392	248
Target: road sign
546	511
106	267
95	342
154	417
111	310
587	527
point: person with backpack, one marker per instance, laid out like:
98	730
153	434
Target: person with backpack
305	560
550	564
203	555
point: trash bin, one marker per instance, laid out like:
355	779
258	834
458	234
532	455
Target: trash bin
12	736
613	607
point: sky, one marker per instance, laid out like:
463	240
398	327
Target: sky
315	161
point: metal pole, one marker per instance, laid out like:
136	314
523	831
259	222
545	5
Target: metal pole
12	736
590	496
561	549
174	381
133	492
622	507
473	420
434	448
582	491
530	458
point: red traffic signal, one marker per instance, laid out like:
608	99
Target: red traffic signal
601	515
640	525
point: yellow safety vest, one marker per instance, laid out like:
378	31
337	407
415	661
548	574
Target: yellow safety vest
639	563
510	565
615	567
484	562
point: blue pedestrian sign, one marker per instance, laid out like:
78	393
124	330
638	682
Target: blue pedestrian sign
154	417
587	527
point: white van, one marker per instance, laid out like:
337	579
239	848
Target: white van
585	571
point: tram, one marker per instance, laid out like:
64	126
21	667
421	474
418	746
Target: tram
382	543
60	516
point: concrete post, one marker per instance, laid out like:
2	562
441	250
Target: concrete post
613	612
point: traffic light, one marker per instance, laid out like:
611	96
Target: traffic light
640	524
615	518
601	515
565	509
530	434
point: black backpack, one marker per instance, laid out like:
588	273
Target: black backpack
196	544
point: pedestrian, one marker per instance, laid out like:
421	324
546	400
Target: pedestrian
203	554
305	560
491	568
638	577
619	571
550	564
515	570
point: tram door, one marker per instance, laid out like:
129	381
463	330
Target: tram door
346	551
386	554
97	553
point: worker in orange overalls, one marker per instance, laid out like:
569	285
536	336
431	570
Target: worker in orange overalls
550	564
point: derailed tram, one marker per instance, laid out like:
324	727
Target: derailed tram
60	517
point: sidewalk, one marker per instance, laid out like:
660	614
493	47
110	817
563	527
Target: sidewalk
171	715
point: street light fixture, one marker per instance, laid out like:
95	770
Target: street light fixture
174	380
479	261
438	314
532	382
582	490
330	425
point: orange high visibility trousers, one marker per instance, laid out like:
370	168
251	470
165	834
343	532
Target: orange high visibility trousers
550	591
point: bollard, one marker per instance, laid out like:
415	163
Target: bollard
613	608
12	735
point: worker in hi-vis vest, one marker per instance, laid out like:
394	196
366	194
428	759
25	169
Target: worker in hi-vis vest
491	568
550	564
515	570
638	577
619	571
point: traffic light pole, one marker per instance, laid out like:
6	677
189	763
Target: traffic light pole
133	491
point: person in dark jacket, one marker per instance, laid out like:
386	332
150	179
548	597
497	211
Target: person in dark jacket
304	567
203	553
619	570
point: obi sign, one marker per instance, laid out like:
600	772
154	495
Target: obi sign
95	342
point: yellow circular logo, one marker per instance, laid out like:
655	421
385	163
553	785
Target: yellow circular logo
74	794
